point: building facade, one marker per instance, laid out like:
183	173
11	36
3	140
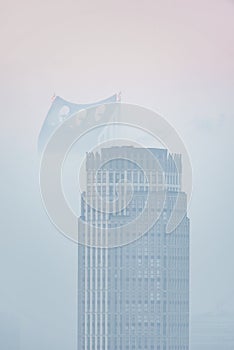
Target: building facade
133	293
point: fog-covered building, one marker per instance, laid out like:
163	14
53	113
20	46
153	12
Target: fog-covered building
133	293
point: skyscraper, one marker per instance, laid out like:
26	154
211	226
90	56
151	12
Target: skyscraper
133	286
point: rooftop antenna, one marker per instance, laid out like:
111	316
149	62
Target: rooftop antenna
53	97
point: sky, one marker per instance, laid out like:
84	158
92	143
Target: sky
175	57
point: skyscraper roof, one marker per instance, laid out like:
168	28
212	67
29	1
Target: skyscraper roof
60	111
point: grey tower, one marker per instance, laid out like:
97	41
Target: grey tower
134	296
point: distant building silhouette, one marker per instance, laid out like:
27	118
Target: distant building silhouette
62	110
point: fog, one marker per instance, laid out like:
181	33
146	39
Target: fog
175	58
